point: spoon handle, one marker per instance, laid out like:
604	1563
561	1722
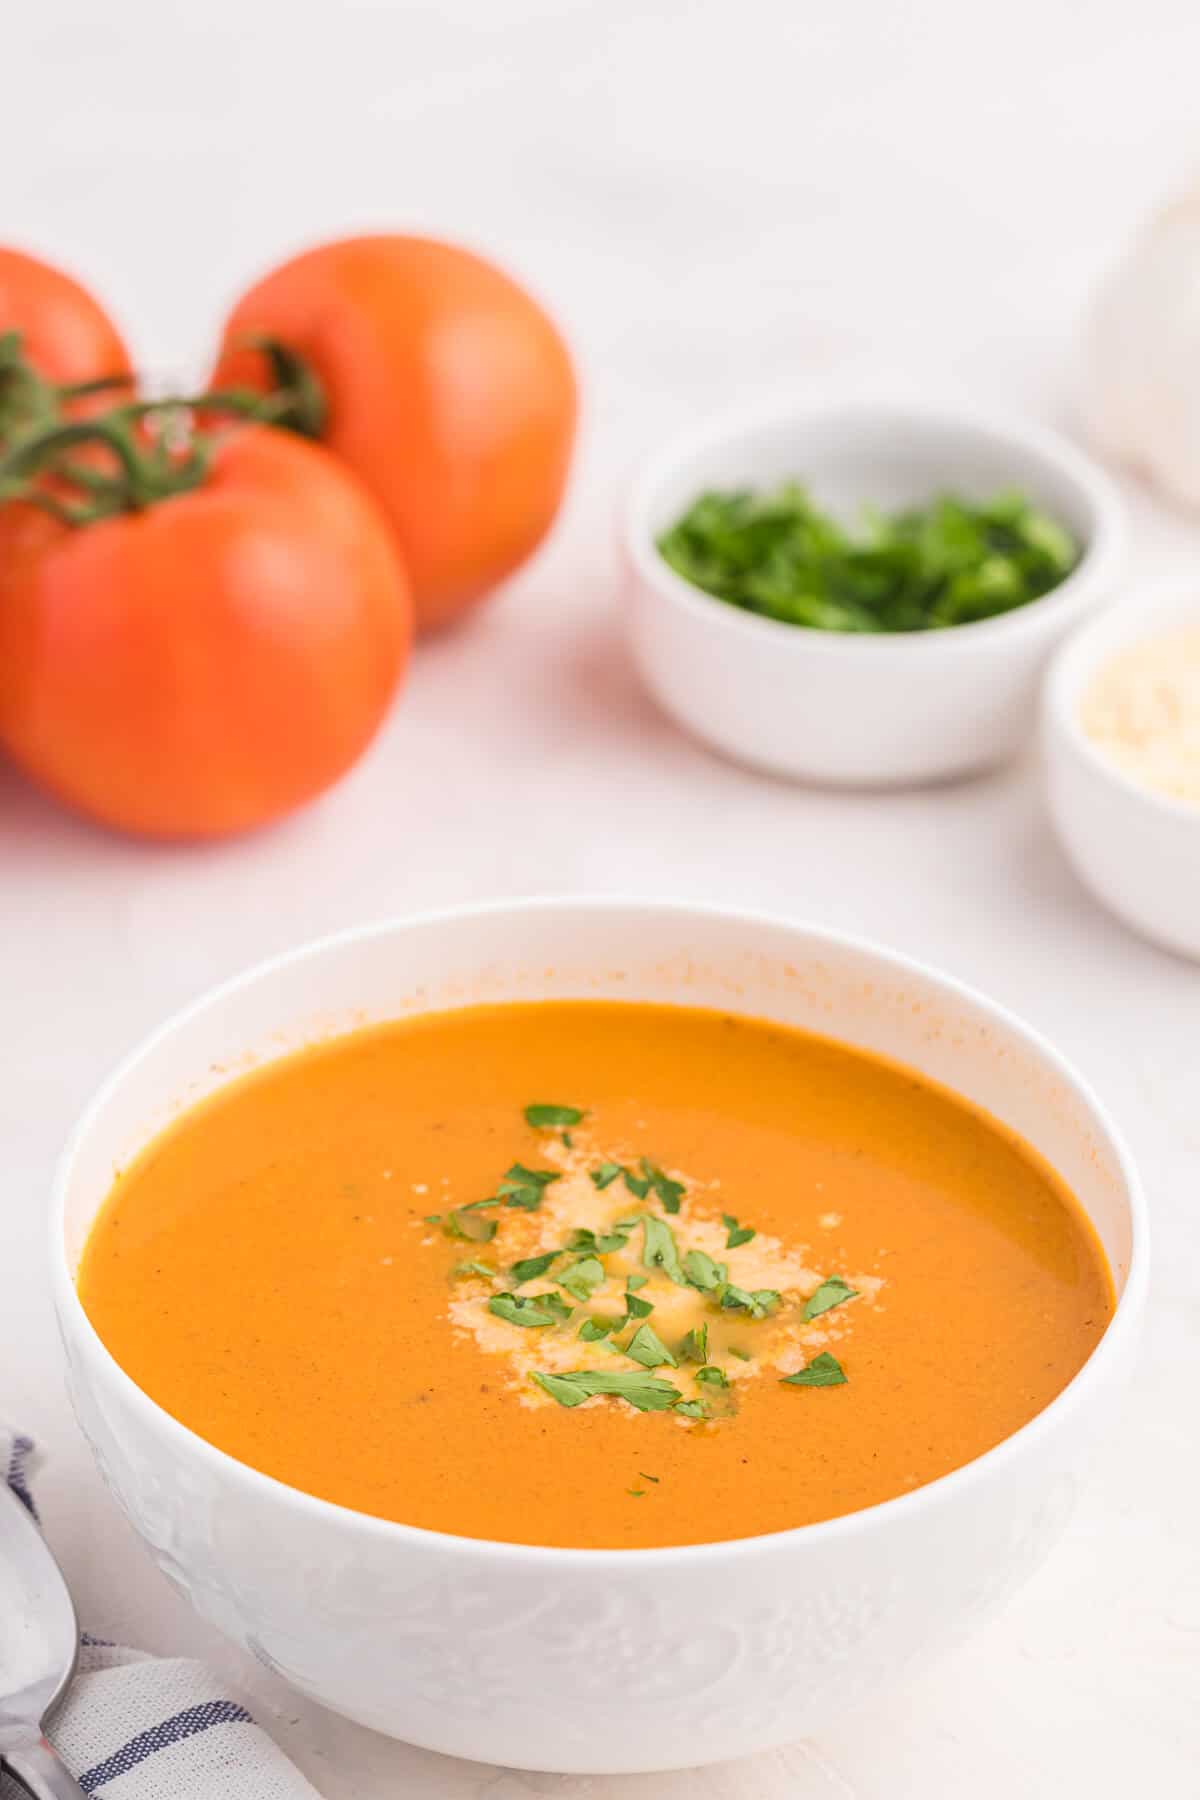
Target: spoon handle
41	1773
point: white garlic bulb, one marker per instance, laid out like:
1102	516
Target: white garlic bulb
1142	376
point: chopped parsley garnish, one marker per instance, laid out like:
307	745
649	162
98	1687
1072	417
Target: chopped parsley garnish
522	1187
700	1271
467	1222
647	1348
660	1251
712	1376
582	1278
649	1393
582	1273
582	1238
541	1114
947	562
519	1176
568	1142
832	1292
654	1478
635	1306
823	1371
530	1267
534	1310
669	1192
758	1304
636	1493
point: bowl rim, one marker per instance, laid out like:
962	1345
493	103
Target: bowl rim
1086	652
1098	493
75	1324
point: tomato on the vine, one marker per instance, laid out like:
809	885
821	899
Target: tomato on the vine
439	381
203	643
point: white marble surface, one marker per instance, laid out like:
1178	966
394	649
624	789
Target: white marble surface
721	200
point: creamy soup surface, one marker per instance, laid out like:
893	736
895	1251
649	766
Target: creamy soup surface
594	1274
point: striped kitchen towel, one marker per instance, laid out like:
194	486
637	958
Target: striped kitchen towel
136	1727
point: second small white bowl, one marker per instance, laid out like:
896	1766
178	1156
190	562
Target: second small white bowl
1137	850
857	709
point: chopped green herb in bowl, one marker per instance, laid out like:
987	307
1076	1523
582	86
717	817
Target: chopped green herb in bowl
921	521
949	562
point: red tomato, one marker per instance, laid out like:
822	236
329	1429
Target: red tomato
447	389
208	663
65	333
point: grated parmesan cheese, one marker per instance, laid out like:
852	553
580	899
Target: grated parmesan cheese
783	1342
1143	712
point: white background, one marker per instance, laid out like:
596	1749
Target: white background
721	201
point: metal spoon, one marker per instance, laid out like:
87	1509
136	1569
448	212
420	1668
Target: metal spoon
39	1644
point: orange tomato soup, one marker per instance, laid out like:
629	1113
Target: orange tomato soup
762	1279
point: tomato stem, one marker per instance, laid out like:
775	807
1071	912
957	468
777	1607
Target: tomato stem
144	473
242	403
28	402
295	396
38	464
102	384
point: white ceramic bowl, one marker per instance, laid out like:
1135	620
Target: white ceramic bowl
1137	850
600	1660
856	709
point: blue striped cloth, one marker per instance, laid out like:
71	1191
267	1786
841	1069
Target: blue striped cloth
136	1727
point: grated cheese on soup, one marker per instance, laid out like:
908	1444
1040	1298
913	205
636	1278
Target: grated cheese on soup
1143	712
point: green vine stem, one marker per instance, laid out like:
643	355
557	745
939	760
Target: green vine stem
299	398
143	474
240	403
28	402
103	384
31	403
36	445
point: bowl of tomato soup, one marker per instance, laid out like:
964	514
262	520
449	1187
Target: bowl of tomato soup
596	1336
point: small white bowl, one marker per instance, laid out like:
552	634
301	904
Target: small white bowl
1136	849
594	1661
858	709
